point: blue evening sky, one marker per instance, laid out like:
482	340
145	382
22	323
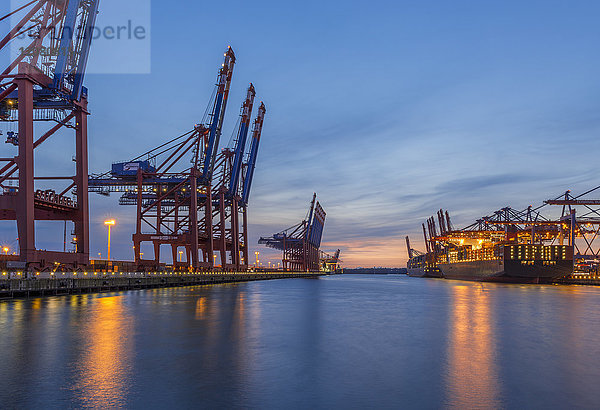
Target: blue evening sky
389	110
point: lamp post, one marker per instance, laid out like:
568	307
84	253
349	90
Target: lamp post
256	255
180	255
5	250
109	223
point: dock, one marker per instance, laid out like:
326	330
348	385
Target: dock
109	282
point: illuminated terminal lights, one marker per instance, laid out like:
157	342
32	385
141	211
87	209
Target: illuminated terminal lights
524	252
537	252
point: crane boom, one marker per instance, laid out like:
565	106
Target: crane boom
241	142
218	114
73	56
310	216
256	133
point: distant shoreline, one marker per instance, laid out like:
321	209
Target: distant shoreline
375	271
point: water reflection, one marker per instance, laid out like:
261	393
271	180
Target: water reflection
201	308
338	342
472	373
105	366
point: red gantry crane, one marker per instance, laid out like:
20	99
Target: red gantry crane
231	190
300	243
44	85
177	197
226	191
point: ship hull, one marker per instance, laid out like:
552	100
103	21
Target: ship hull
506	271
424	273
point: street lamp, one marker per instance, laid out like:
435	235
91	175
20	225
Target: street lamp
109	223
256	255
5	250
180	255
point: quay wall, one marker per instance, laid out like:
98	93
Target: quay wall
103	282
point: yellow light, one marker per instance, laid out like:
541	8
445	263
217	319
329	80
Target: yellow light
109	222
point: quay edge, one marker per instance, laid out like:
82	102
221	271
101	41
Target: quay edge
33	287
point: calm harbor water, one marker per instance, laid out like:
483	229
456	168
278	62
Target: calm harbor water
335	342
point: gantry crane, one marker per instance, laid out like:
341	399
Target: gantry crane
231	189
179	201
330	263
171	191
247	176
44	83
226	191
300	243
580	218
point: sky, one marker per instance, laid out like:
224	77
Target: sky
389	110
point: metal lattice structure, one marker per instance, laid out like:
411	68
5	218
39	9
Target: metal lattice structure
226	192
186	193
330	263
300	243
170	186
580	218
44	83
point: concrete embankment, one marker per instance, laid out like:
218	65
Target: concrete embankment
15	288
578	281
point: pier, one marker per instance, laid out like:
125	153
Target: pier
95	282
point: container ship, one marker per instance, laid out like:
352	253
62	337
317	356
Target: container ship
421	265
507	247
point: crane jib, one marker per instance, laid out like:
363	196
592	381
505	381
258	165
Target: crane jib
237	164
211	138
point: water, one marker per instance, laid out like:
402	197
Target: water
334	342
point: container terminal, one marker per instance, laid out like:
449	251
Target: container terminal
512	245
188	193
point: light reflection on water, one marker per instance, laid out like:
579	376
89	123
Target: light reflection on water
350	342
472	375
103	371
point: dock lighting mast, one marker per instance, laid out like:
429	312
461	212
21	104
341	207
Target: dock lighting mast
109	223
